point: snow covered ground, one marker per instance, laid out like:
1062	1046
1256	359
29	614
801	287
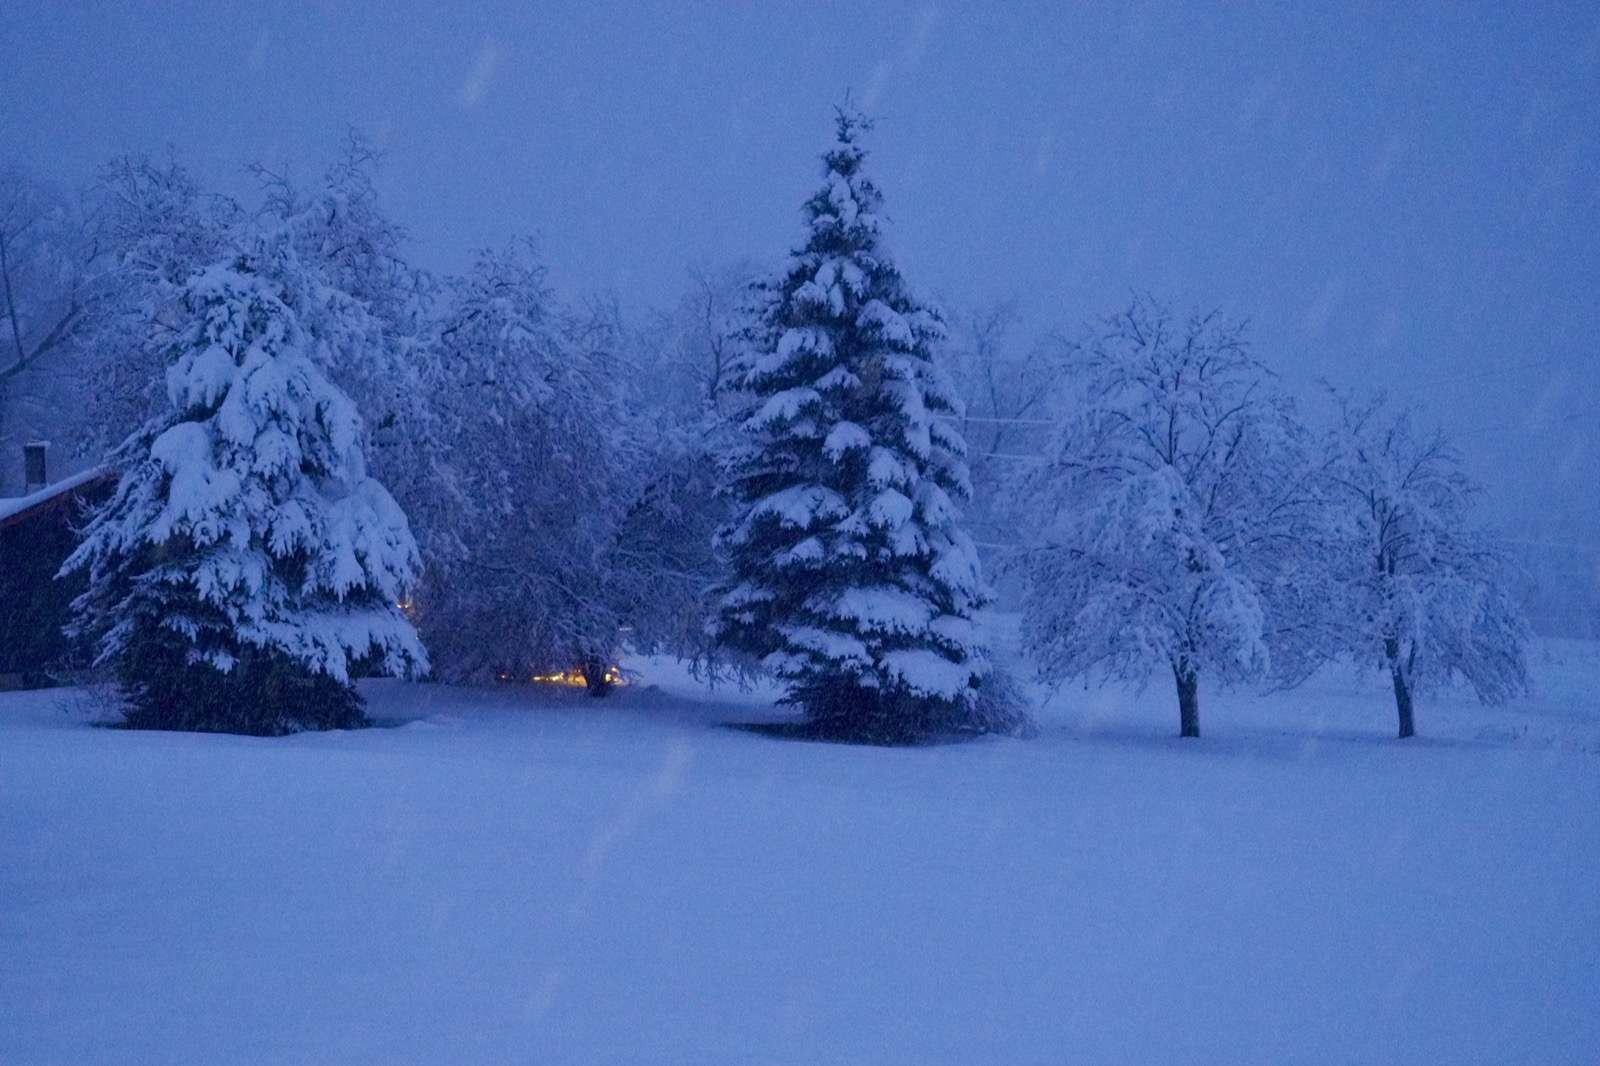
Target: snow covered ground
535	877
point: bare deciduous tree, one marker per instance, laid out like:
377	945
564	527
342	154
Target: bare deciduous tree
1412	587
1164	513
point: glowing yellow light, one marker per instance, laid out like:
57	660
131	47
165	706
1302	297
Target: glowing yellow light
575	678
565	677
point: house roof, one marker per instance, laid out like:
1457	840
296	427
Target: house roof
14	509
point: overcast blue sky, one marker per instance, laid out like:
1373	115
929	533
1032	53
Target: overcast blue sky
1406	201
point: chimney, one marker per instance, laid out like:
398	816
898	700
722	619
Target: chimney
33	463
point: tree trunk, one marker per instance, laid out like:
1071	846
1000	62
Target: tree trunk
1188	702
1402	701
597	677
1398	669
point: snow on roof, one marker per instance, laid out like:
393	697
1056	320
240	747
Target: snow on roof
12	506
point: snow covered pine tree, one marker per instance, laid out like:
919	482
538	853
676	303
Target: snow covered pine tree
247	561
851	580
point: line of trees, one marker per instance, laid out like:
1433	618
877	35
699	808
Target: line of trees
327	451
332	458
1183	518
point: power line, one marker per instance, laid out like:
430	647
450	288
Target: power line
1450	379
1008	421
1568	545
1501	427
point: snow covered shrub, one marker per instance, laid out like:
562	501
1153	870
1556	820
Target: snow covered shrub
851	578
1169	513
1002	707
529	407
662	565
1410	586
247	565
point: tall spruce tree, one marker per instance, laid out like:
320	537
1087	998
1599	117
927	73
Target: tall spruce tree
247	563
851	580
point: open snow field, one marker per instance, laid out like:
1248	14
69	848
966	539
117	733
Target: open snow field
526	877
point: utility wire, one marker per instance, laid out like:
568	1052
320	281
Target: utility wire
1007	421
1451	379
1501	427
